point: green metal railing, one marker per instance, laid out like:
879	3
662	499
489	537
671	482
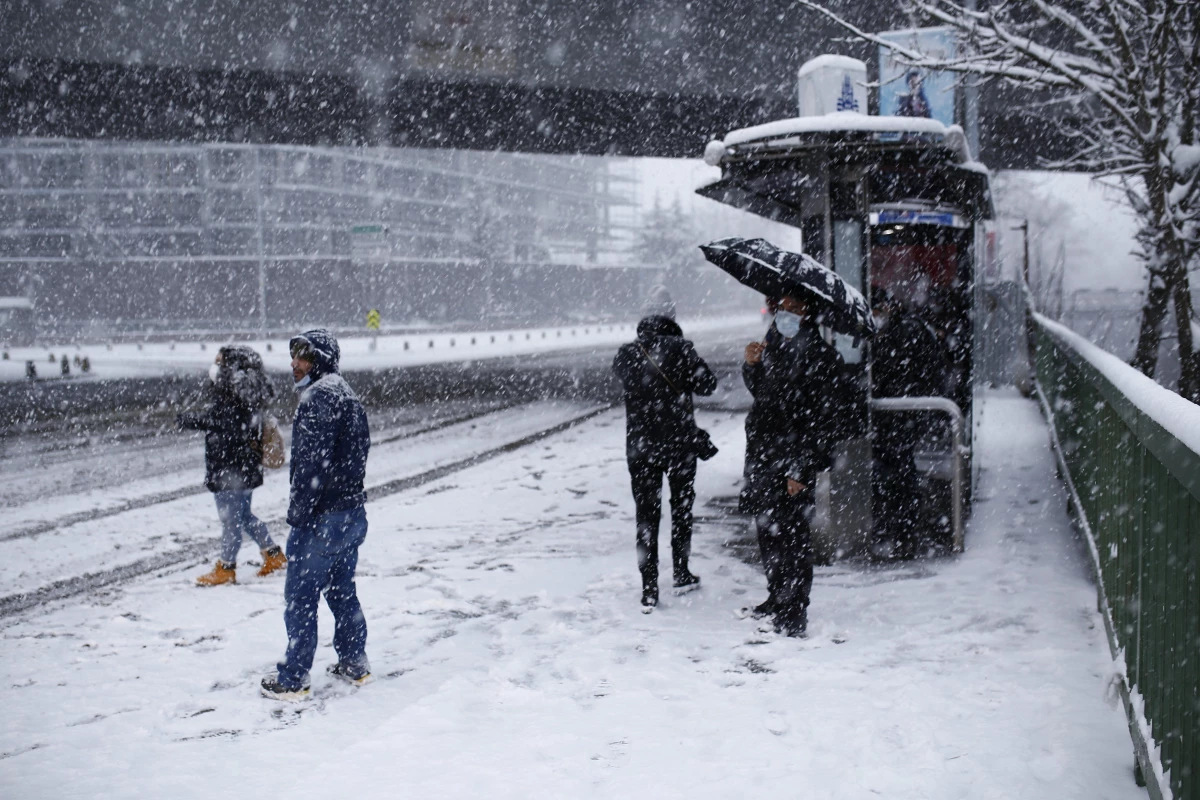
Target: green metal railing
1136	494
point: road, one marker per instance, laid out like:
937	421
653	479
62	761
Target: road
87	490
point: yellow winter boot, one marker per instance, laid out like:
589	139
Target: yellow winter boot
273	559
221	573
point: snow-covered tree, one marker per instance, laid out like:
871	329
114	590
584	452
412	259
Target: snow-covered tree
668	237
1129	73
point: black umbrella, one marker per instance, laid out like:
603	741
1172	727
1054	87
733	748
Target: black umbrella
762	266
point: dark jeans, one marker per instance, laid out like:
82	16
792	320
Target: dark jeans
322	558
896	492
646	475
785	542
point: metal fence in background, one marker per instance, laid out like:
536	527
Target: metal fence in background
1135	489
130	236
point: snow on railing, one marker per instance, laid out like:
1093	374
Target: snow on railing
1129	452
1178	416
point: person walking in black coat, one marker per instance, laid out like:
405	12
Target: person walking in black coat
233	424
660	372
907	360
796	379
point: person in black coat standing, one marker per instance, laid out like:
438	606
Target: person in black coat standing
907	360
660	372
238	395
796	379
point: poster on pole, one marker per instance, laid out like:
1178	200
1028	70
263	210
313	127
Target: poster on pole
906	91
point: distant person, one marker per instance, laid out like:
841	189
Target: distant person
796	379
913	103
330	442
948	316
660	372
907	360
238	393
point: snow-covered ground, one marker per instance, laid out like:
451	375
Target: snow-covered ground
129	360
512	661
46	541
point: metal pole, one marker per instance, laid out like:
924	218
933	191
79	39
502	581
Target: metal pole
1027	292
261	244
950	408
1024	229
971	104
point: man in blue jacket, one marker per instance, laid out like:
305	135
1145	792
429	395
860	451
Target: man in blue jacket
330	441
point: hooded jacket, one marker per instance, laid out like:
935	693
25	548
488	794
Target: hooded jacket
659	417
330	438
232	422
800	411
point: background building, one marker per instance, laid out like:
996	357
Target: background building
108	237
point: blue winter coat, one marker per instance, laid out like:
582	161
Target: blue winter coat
330	439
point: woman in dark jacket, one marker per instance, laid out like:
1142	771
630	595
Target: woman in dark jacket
660	372
233	425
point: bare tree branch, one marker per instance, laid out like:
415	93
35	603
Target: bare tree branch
1131	69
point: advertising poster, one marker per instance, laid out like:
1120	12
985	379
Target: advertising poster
909	92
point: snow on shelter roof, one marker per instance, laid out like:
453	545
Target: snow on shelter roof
779	131
15	302
830	60
837	122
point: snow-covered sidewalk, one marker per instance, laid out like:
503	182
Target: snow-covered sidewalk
512	661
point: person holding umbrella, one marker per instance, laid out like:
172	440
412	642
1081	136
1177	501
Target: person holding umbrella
801	400
795	378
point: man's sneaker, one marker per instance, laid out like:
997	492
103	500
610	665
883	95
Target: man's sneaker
272	688
273	559
761	611
791	631
686	583
795	627
221	573
649	600
355	676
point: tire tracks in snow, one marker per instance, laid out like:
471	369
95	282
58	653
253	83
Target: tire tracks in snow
196	552
157	498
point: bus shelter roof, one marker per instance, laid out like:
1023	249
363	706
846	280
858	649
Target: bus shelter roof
774	170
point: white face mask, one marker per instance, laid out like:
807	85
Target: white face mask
787	323
213	371
300	384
